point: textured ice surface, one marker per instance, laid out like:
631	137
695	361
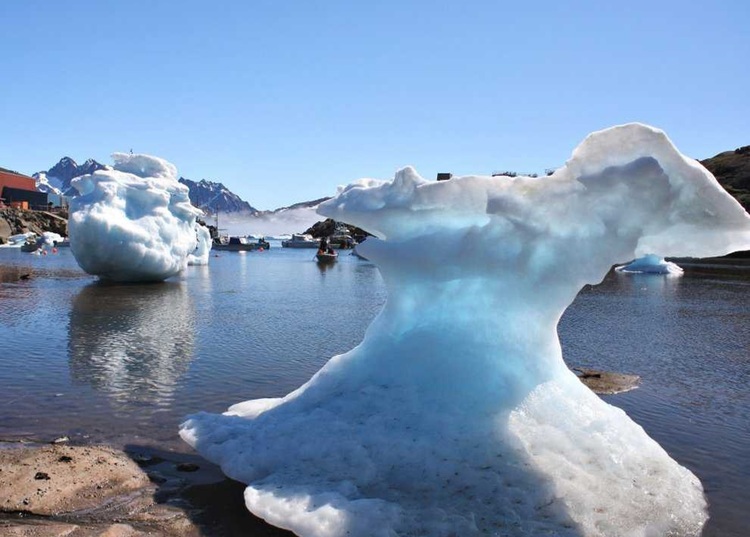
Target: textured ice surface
651	264
456	415
134	222
202	251
49	239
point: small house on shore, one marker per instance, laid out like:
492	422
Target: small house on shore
18	190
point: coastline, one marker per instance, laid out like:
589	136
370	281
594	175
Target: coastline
62	489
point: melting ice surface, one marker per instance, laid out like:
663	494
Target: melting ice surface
134	222
651	264
456	414
202	251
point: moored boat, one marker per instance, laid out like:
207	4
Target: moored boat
301	240
239	244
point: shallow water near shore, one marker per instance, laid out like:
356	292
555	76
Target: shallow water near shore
124	364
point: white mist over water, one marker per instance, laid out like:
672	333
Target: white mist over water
134	222
284	222
456	414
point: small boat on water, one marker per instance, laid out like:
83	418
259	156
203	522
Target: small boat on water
326	257
301	240
239	244
32	244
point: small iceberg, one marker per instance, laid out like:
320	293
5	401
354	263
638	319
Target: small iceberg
651	264
134	222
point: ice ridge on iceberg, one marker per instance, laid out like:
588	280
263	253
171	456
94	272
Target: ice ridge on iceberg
456	414
134	222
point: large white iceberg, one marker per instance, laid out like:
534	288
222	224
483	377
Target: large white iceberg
134	222
456	415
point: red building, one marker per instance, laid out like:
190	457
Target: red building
17	190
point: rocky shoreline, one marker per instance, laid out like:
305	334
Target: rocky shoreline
16	221
55	490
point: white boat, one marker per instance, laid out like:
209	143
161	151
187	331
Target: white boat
299	240
240	244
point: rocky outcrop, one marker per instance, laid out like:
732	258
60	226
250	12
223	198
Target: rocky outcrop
15	221
329	227
97	491
57	479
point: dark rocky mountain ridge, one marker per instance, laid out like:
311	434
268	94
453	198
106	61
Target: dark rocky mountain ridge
732	170
213	197
67	169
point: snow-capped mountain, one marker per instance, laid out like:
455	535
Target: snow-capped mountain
213	197
207	195
57	178
43	184
313	204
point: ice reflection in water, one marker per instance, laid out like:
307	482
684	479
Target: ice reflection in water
132	342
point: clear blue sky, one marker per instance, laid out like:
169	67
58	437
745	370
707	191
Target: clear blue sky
284	100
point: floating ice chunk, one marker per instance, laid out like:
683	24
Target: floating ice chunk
19	239
202	251
134	222
49	239
456	415
651	264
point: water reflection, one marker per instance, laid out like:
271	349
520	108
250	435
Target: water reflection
324	266
656	284
132	342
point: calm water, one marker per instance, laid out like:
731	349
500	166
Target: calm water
125	363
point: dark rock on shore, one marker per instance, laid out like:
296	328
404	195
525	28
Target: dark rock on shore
16	221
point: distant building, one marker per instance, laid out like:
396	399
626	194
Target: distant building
17	190
444	176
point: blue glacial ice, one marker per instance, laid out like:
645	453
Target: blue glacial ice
133	222
456	414
651	264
